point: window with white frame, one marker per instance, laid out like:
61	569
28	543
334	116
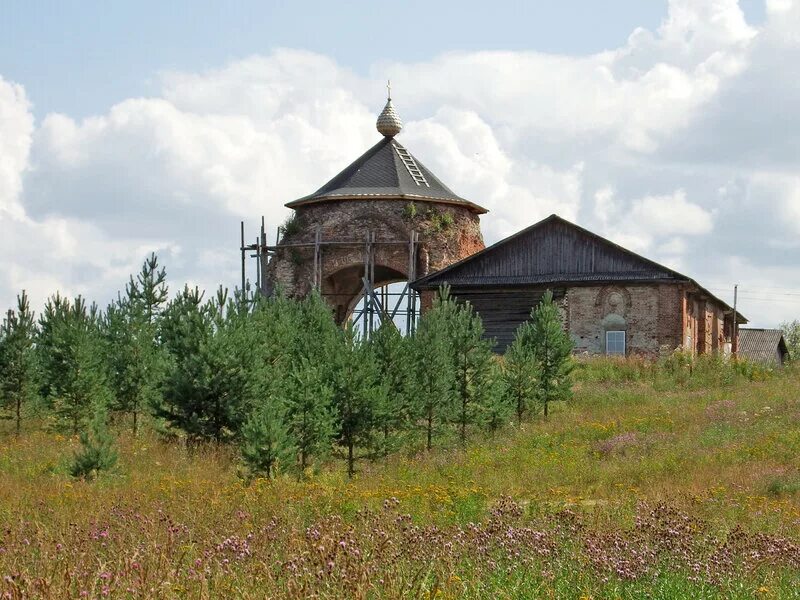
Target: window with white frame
615	342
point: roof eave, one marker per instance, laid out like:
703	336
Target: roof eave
421	284
305	201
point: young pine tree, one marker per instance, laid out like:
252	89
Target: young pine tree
73	373
552	351
97	452
472	359
433	372
204	384
357	391
136	362
17	361
149	291
310	417
394	362
521	372
496	408
265	443
288	347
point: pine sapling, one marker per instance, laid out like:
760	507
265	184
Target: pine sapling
265	443
552	350
97	452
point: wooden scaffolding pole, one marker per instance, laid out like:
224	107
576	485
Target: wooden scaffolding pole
316	280
263	260
244	258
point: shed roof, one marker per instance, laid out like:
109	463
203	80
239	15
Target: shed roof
761	345
555	250
386	171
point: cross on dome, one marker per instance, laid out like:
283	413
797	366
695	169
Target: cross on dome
389	123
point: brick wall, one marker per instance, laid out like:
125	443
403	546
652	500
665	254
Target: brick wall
649	314
447	233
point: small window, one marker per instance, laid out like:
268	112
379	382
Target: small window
615	342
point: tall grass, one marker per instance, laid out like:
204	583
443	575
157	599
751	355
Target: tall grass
652	482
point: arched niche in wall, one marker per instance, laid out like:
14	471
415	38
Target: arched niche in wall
613	300
613	304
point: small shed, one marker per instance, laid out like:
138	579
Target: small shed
766	346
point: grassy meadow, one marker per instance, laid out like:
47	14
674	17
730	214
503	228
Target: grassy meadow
646	484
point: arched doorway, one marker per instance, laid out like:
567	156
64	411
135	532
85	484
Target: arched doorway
389	298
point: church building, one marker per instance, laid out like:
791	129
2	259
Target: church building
387	218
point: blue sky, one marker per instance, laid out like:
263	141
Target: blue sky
671	127
80	57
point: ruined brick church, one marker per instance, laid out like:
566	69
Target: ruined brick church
387	218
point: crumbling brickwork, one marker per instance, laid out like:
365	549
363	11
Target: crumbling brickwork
635	309
447	233
657	319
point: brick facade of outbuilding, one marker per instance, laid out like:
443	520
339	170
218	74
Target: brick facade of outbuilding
603	292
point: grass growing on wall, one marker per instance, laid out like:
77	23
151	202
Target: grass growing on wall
652	482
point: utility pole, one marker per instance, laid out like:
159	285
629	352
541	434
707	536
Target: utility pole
734	333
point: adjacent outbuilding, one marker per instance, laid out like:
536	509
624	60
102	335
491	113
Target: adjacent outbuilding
612	300
765	346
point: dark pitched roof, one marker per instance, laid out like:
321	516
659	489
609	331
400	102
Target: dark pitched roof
554	251
761	345
381	172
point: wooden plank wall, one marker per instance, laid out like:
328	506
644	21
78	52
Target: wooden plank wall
503	310
556	248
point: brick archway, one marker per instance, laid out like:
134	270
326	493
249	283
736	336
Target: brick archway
340	229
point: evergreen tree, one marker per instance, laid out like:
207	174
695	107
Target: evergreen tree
17	361
394	362
204	387
521	372
265	443
136	363
73	374
472	359
97	451
552	351
496	408
433	373
130	328
310	416
149	290
289	347
356	393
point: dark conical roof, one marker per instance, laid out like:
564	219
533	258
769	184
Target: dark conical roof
386	171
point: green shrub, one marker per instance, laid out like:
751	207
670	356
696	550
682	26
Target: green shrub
292	225
410	211
784	486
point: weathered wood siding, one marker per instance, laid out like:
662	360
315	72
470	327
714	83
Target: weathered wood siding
553	250
503	310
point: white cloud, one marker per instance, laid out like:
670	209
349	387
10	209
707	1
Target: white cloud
16	127
682	143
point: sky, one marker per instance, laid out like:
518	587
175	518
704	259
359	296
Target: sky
670	127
